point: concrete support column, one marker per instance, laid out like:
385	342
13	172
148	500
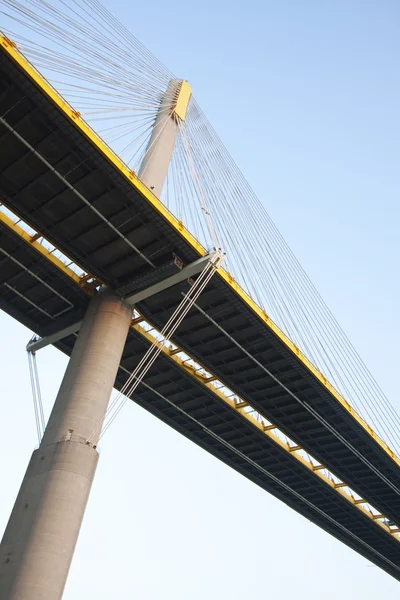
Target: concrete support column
40	538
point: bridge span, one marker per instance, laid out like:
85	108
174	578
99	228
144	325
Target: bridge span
230	380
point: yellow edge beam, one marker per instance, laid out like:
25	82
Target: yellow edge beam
205	380
267	431
11	49
34	243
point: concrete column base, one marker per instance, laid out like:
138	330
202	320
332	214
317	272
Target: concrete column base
39	542
45	522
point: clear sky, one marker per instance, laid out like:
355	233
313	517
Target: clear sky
306	97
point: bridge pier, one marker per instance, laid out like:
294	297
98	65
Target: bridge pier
39	541
40	538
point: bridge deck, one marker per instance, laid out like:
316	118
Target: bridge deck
45	151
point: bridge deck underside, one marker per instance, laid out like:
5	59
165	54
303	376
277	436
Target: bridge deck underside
47	301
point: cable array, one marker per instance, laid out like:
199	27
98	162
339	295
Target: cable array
95	63
118	85
262	262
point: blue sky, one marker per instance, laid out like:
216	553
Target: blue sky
305	95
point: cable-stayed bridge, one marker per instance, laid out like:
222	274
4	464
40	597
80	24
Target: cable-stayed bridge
111	251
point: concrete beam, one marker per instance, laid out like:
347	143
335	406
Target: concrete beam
185	273
39	343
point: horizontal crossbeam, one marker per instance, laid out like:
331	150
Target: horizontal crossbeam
37	343
185	273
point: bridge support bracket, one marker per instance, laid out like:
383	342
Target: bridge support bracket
184	273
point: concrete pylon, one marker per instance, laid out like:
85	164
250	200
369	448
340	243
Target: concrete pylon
160	147
39	541
40	538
